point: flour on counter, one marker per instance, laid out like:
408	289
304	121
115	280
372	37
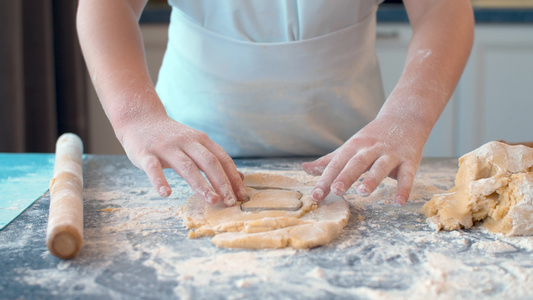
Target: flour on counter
136	246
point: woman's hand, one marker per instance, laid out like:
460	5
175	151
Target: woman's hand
112	45
388	146
392	144
154	143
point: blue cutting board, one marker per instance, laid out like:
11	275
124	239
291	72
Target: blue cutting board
24	178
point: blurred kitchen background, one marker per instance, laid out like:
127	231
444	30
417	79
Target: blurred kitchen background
45	89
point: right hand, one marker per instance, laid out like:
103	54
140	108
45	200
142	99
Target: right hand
158	142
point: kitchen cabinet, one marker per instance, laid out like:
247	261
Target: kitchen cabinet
493	99
496	89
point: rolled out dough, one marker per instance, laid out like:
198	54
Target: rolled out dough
494	185
310	226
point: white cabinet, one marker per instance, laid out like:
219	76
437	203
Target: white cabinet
494	98
496	88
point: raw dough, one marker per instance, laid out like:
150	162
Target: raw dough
310	226
494	185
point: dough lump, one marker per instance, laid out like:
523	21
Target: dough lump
309	226
494	185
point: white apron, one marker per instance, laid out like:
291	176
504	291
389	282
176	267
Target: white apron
301	97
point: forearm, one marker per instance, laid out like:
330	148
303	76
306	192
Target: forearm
113	49
438	51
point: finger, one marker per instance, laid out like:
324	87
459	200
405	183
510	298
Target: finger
355	167
405	178
213	170
318	166
228	165
152	167
333	169
377	172
188	170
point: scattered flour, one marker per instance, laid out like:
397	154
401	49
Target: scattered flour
135	245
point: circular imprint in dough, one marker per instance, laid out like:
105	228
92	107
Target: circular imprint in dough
280	213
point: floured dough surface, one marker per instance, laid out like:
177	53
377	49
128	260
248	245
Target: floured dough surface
494	185
275	223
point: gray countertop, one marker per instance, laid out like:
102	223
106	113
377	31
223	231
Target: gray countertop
136	247
387	13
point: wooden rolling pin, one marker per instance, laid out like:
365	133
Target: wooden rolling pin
64	235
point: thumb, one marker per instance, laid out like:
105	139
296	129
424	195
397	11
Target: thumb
318	166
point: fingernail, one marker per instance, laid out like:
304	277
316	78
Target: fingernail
362	191
399	200
338	188
229	198
242	194
318	170
318	194
164	191
211	197
230	201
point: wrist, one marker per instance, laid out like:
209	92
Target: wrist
132	111
414	106
415	116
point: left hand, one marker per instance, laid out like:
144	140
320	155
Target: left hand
391	145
